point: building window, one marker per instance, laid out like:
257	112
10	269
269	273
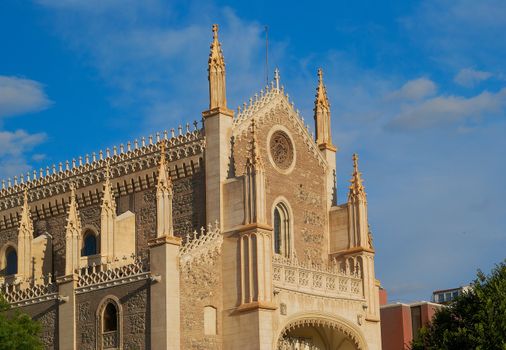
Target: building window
282	236
109	318
11	261
89	244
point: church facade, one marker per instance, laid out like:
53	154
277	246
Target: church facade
227	235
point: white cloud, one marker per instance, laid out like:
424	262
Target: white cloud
447	109
415	90
20	96
157	65
13	147
469	77
460	33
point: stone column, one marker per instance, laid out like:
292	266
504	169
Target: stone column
218	128
164	293
67	311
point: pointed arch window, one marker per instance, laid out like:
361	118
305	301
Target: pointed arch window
282	230
109	324
89	244
11	261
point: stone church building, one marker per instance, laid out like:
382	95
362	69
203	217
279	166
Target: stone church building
227	235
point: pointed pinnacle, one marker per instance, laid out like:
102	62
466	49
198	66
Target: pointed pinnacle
320	76
356	187
162	152
215	32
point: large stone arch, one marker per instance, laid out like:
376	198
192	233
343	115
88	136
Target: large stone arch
345	335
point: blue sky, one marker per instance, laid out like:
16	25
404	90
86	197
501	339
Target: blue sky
417	89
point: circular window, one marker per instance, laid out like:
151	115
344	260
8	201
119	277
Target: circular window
281	150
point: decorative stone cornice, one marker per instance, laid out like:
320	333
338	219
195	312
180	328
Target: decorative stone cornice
128	160
174	240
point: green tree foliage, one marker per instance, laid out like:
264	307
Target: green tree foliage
17	330
475	320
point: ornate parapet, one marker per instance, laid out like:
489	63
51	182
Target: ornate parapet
90	169
34	291
328	281
289	343
201	245
108	275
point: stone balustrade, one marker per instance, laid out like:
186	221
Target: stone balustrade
25	292
106	275
201	245
329	281
289	343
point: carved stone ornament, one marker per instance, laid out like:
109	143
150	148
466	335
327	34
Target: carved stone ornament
281	149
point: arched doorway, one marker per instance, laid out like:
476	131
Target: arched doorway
318	332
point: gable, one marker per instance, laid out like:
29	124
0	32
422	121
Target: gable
294	172
274	106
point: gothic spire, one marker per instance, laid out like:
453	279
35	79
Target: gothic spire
357	190
322	115
216	71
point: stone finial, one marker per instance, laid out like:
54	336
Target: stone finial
321	92
357	189
322	115
108	201
164	180
72	235
254	157
25	223
216	74
276	78
73	218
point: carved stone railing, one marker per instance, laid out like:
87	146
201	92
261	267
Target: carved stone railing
107	275
21	293
201	245
330	281
110	340
289	343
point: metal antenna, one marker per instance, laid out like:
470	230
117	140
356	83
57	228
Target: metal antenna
266	54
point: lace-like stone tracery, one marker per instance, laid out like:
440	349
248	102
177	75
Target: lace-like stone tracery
281	149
